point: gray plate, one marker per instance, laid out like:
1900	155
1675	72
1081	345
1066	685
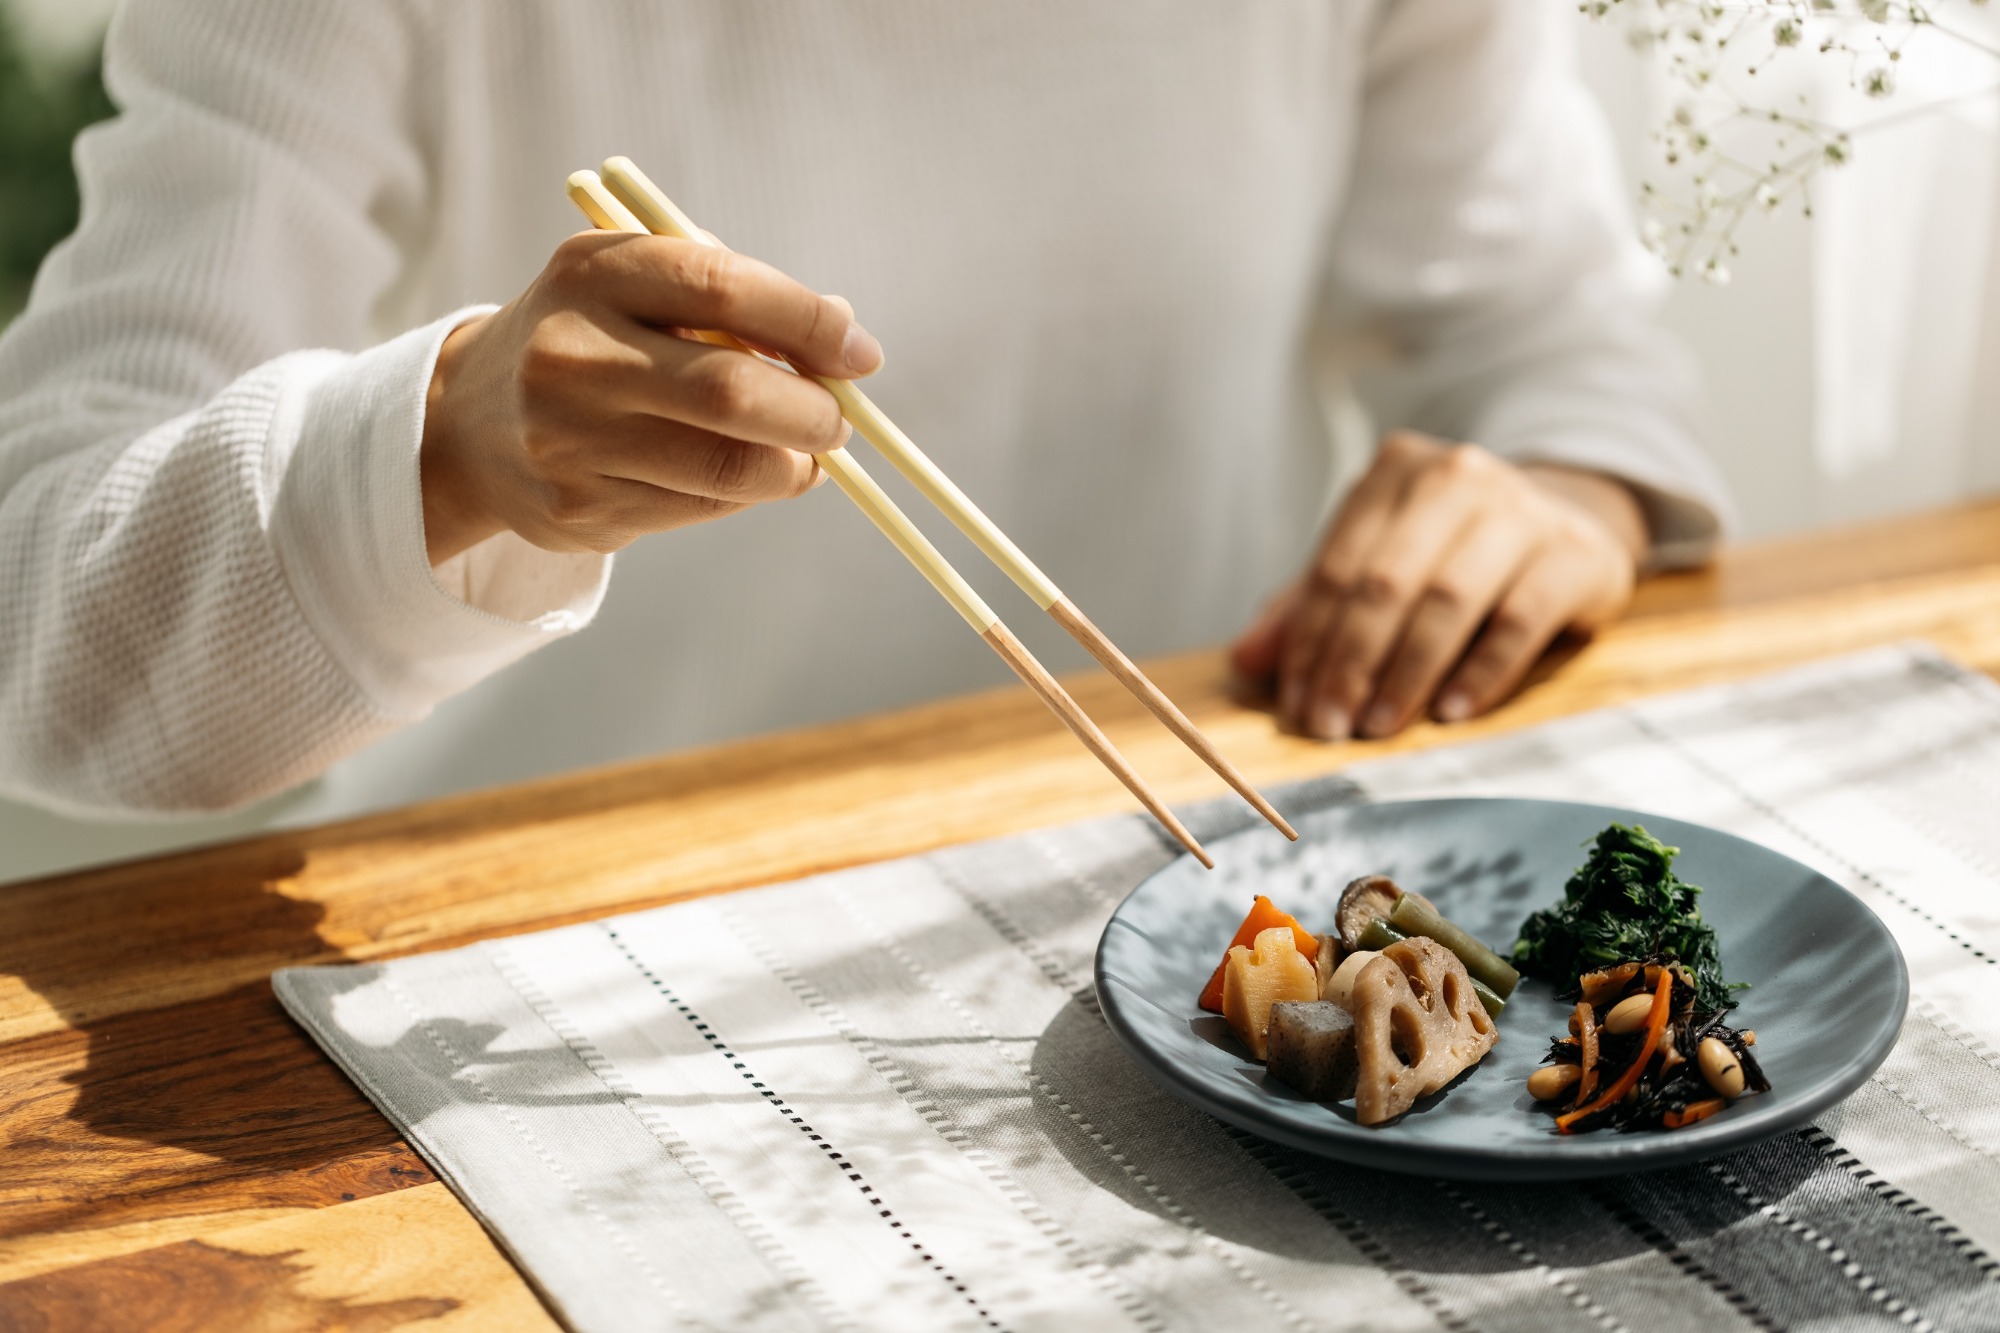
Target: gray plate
1827	997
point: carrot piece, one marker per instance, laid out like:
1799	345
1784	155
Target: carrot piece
1656	1024
1692	1112
1586	1045
1263	916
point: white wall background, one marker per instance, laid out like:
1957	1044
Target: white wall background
1849	363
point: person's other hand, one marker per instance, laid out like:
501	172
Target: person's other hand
1442	578
580	417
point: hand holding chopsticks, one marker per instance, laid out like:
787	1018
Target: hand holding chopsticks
626	201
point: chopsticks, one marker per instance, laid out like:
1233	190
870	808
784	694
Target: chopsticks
625	200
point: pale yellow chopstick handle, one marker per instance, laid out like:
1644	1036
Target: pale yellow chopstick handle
606	212
662	216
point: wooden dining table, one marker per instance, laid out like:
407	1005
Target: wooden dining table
175	1153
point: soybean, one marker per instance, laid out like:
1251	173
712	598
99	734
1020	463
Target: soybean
1720	1068
1629	1015
1551	1081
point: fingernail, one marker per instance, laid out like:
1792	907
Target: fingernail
1379	720
1454	707
859	351
1330	723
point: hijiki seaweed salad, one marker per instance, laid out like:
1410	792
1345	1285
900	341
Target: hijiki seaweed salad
1648	1045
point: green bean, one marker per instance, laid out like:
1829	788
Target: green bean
1414	916
1380	935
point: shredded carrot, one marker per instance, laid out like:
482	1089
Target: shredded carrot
1656	1024
1692	1112
1586	1043
1263	916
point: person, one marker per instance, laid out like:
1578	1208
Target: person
279	481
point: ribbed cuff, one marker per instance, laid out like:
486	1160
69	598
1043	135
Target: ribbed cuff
348	528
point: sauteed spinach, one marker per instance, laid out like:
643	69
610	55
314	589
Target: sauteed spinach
1625	903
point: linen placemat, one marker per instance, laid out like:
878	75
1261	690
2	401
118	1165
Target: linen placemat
885	1098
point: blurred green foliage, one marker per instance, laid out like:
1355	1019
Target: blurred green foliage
41	110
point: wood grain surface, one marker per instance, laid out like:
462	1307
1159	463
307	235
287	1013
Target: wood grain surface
178	1155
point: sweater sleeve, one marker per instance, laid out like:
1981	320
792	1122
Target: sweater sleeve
213	581
1487	243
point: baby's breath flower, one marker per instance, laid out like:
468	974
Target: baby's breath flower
1729	153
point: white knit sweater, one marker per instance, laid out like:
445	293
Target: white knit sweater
1096	237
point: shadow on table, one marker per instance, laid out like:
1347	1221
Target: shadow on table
212	1102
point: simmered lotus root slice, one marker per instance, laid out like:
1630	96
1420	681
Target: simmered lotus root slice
1417	1026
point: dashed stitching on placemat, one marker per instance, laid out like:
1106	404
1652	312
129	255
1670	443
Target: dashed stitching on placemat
617	1234
1309	1193
1645	1229
680	1150
940	1120
1831	1149
1086	997
1597	1313
1170	1206
1902	1095
1946	1024
1694	758
1819	1240
777	1103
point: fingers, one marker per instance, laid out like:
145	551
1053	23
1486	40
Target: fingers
1385	589
691	461
1539	605
680	284
1357	528
627	368
1466	585
1447	573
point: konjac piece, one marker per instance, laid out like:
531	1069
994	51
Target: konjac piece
1312	1049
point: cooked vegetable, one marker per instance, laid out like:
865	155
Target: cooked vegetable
1418	1026
1656	1024
1585	1023
1370	898
1624	903
1263	916
1340	986
1312	1049
1326	961
1380	935
1415	915
1692	1112
1270	969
